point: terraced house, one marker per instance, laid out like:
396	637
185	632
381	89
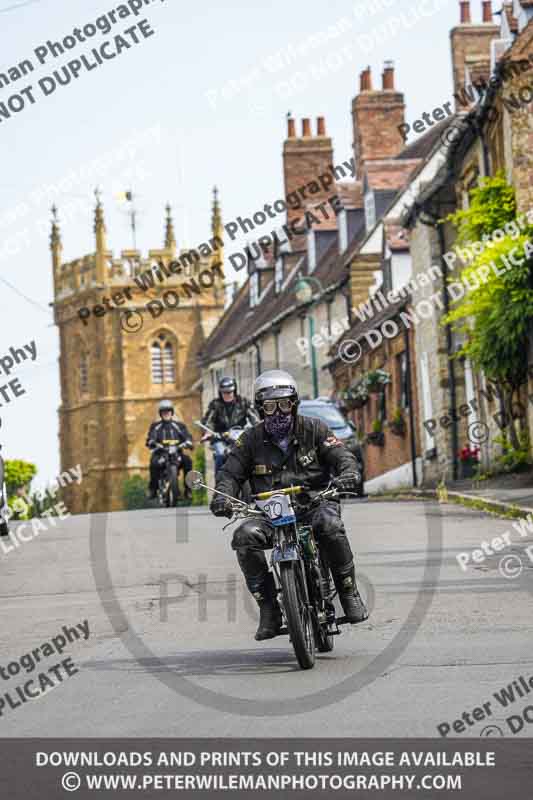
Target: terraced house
355	308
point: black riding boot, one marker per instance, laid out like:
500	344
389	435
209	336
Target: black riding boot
269	610
350	599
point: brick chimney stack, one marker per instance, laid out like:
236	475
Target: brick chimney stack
376	117
487	11
291	128
365	81
465	12
387	77
470	43
306	157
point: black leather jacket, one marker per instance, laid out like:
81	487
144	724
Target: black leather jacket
313	457
221	416
167	430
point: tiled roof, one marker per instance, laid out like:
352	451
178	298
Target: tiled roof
425	143
389	174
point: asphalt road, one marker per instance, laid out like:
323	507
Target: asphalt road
171	649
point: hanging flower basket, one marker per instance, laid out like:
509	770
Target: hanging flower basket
376	438
360	401
398	428
397	424
356	396
376	380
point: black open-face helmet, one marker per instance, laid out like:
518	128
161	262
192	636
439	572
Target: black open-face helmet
226	385
274	389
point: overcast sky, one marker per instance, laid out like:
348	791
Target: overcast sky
167	95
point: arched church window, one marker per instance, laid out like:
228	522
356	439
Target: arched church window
163	360
84	373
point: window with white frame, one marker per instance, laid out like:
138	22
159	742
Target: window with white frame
370	210
254	289
278	274
163	360
343	230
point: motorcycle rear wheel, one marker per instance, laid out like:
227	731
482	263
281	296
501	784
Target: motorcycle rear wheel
299	622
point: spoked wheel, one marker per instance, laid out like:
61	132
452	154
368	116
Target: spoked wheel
324	640
299	621
173	488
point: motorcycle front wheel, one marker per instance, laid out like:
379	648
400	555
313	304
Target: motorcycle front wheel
173	491
298	618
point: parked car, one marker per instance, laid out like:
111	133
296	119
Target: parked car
343	428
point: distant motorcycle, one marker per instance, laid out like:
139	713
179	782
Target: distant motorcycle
170	463
302	575
228	438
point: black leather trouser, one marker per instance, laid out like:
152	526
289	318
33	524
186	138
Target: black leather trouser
253	537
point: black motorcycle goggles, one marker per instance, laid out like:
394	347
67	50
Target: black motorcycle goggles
285	405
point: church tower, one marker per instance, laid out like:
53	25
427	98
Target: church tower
130	328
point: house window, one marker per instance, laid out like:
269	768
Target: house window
370	210
403	385
278	274
163	361
84	373
254	289
343	230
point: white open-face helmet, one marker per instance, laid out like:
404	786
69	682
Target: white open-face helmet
166	405
275	384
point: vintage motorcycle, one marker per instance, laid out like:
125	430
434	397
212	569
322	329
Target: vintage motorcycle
170	462
302	575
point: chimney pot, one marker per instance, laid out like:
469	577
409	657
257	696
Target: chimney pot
366	80
320	126
465	12
487	11
306	127
291	128
388	75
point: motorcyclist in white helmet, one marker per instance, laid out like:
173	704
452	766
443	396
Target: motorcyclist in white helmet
288	449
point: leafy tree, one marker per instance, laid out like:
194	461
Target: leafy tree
134	493
496	314
18	474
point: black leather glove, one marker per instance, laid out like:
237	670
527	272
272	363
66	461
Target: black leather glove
347	482
221	506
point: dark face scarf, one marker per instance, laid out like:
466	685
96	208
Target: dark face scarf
278	426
